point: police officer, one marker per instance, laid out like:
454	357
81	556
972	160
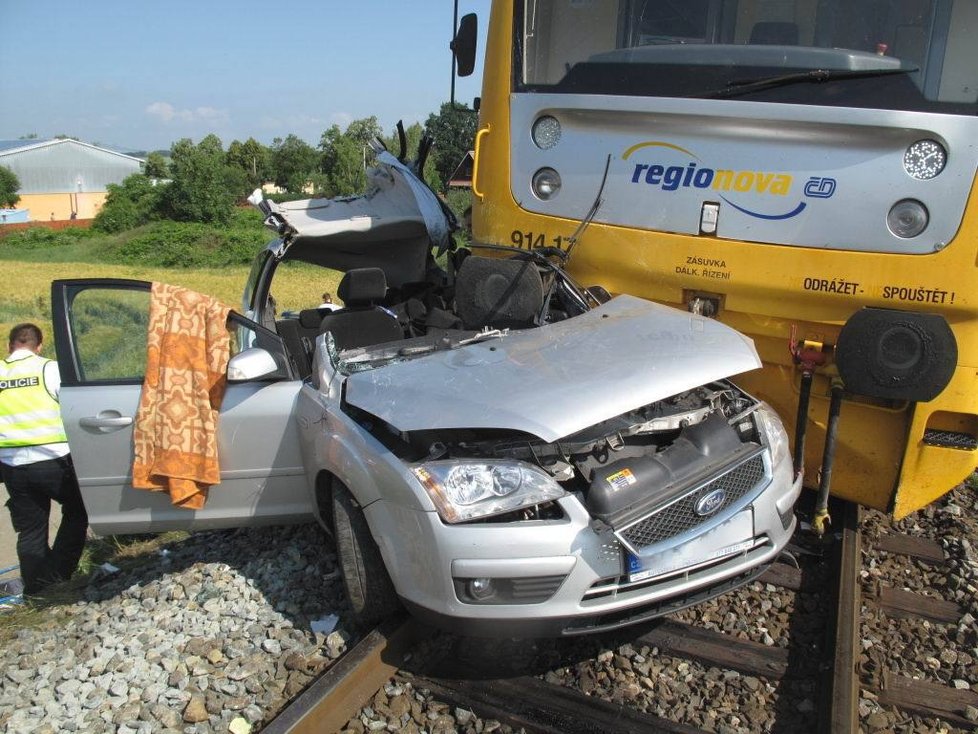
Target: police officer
35	463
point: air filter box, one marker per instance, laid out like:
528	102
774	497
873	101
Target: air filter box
630	487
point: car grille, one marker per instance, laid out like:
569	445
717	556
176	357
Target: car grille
680	516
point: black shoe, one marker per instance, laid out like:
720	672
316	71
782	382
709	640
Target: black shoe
35	590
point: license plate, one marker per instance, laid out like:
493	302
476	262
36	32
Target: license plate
727	539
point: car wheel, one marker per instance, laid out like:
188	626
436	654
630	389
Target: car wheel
368	585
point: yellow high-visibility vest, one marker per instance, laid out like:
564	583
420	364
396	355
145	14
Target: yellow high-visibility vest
29	416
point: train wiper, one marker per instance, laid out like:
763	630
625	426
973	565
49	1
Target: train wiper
737	87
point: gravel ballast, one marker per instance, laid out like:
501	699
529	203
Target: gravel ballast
215	631
216	634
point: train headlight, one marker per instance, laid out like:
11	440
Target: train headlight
546	132
924	159
545	184
907	218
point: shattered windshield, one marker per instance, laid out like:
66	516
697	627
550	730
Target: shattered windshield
888	54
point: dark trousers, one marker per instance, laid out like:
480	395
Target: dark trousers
31	488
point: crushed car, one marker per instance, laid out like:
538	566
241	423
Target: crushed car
492	446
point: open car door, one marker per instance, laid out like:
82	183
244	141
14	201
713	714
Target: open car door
101	330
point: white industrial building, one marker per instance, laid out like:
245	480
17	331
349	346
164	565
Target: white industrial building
63	179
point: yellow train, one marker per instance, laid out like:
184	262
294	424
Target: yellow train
803	171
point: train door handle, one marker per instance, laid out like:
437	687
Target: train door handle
475	163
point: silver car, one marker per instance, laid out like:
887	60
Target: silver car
493	447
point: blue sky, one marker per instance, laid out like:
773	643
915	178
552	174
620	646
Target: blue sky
142	74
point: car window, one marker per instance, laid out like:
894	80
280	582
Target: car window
110	328
298	285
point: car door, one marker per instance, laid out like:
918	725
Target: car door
101	328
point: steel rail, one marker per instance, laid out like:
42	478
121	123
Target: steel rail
335	697
840	684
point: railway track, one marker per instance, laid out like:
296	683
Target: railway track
406	672
919	613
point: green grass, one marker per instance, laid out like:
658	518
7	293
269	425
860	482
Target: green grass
159	244
16	311
25	295
173	252
110	333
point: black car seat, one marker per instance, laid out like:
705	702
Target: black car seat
299	335
362	322
496	293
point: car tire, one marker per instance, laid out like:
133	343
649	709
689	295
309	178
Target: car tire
368	585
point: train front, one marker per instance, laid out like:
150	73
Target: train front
805	174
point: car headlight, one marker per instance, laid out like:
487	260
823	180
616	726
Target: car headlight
774	433
469	489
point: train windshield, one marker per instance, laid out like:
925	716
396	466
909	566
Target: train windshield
884	54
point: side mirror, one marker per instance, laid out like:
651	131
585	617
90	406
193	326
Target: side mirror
464	44
251	364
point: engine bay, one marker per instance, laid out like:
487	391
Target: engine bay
664	446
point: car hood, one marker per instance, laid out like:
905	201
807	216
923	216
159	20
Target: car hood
557	379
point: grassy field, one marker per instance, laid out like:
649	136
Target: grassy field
26	294
211	259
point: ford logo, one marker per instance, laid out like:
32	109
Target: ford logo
710	502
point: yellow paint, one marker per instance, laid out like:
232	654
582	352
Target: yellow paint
927	469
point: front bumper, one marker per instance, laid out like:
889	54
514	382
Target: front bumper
562	577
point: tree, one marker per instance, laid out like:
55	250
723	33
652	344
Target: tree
156	166
342	162
293	162
133	203
412	138
318	184
346	155
203	186
9	183
364	130
253	159
453	129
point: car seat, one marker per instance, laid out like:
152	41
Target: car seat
497	293
362	321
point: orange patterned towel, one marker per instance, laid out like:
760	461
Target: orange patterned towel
175	435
